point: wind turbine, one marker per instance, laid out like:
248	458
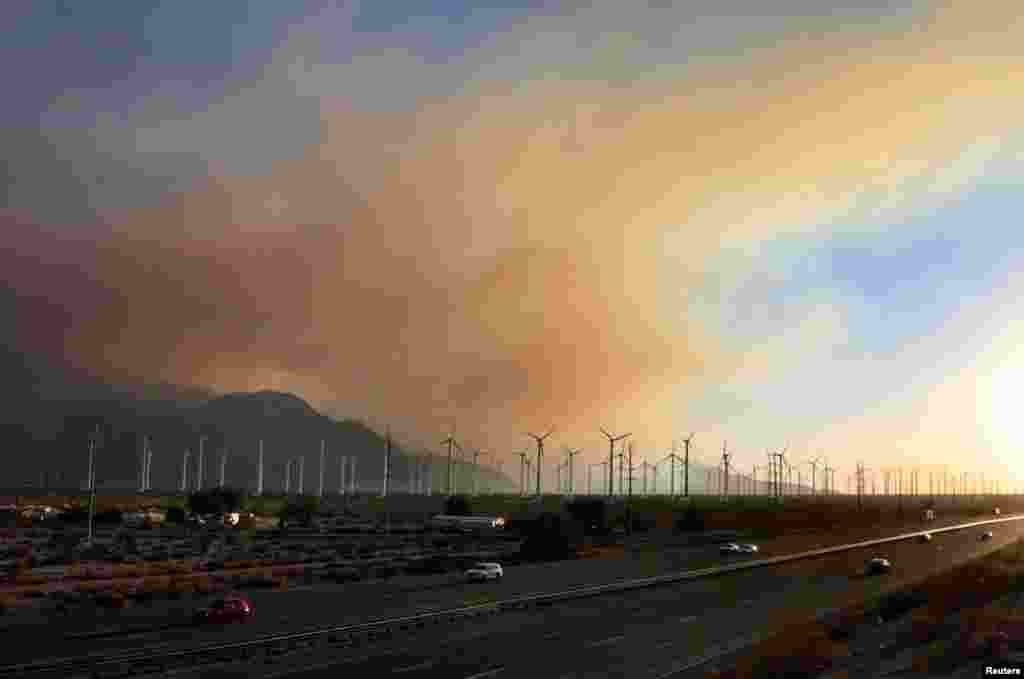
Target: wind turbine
571	453
540	454
686	465
814	474
450	442
672	457
612	440
522	471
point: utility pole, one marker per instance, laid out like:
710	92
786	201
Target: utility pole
612	440
288	477
223	466
540	454
259	469
342	466
352	480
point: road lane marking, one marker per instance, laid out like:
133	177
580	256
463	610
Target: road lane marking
488	673
413	668
605	642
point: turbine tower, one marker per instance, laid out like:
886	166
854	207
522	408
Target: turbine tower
572	455
450	442
612	440
259	469
522	471
540	454
686	465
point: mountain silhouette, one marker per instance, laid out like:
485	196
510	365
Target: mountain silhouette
49	413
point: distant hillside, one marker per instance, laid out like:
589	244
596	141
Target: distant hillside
47	417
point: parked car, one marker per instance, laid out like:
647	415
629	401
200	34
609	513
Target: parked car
925	537
485	571
877	566
987	535
229	609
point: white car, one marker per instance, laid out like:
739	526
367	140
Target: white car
485	571
925	537
987	535
734	548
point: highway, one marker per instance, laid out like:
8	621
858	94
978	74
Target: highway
302	607
650	633
310	607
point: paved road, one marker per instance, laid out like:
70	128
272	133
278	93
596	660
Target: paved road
322	605
645	634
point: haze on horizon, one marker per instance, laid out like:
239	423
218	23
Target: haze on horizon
786	226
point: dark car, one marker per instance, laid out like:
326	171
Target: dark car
229	609
877	566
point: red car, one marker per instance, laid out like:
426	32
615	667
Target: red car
228	609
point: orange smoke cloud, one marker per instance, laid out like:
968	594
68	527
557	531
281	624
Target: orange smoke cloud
494	273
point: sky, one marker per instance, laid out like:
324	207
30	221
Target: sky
772	224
